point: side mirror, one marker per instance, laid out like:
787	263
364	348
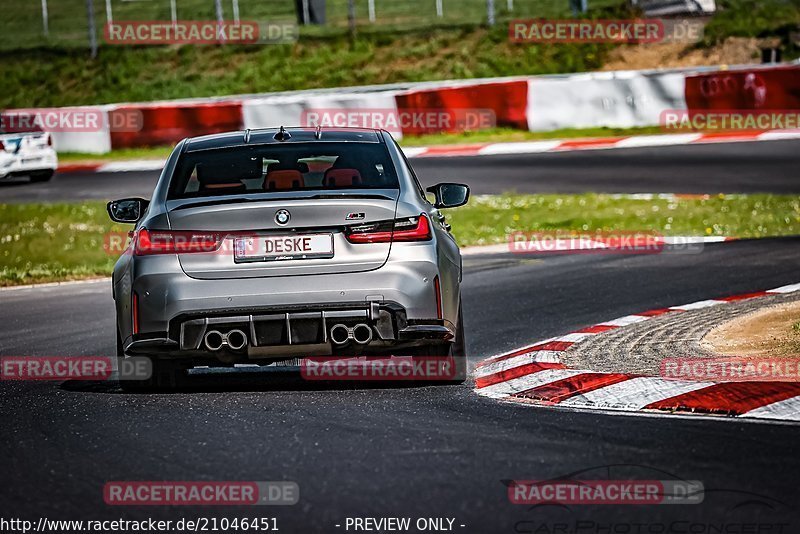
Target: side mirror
127	210
449	195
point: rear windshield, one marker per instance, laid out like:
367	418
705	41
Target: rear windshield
281	168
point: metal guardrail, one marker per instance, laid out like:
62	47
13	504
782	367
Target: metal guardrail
67	23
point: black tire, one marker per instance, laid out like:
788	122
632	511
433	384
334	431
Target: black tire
41	176
166	374
456	350
130	386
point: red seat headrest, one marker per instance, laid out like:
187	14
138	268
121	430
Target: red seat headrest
283	179
342	177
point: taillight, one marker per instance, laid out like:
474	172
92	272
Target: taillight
49	139
2	146
408	229
151	242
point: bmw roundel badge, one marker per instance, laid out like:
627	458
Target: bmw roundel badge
282	217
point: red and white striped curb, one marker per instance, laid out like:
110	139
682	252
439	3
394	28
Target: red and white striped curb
143	165
495	149
569	145
535	374
566	246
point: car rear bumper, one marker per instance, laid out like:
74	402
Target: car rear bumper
399	301
23	164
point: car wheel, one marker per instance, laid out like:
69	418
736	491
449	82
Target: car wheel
127	384
165	374
41	176
456	350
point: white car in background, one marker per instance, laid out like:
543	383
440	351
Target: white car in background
28	153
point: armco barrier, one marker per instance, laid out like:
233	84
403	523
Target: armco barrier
776	88
622	99
89	142
508	100
165	124
537	103
293	110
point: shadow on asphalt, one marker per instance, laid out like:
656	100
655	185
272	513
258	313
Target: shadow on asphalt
14	182
248	380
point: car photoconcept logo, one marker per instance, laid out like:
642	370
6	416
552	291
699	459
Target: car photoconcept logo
282	217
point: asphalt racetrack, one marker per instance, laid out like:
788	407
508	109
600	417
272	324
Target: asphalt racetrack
749	167
410	451
420	451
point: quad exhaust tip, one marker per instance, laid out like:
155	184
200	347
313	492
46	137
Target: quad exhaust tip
341	335
237	340
215	340
362	334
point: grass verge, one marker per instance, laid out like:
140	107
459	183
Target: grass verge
36	72
51	242
63	77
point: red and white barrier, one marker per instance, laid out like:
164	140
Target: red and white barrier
622	99
508	100
166	124
776	88
619	99
301	110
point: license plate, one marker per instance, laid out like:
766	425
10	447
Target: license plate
283	248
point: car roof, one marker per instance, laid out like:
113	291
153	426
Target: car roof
274	136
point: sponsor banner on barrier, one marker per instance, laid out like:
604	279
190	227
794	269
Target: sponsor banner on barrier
621	242
377	368
190	493
675	120
167	32
774	88
732	369
395	121
605	31
605	492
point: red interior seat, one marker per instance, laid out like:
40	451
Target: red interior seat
342	177
283	179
